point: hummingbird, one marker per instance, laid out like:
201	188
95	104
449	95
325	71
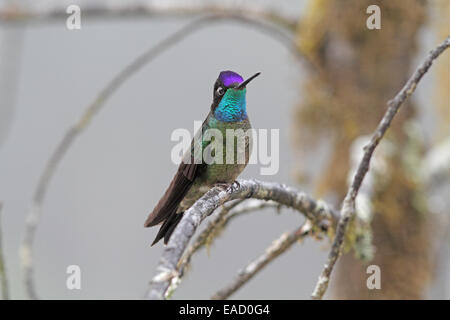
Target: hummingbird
194	178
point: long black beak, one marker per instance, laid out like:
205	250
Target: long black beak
243	84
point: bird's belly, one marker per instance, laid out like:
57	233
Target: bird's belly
223	173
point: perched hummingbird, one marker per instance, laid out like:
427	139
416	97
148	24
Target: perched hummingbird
194	178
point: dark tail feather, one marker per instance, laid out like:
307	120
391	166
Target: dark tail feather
168	227
168	204
166	209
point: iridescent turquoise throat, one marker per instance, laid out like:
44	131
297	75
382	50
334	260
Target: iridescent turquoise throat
232	107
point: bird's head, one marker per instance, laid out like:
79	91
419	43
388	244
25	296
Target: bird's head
229	103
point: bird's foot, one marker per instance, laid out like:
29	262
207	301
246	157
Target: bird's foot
222	186
228	186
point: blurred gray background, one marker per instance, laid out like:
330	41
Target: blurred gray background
117	170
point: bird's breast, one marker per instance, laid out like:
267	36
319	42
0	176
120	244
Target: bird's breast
232	153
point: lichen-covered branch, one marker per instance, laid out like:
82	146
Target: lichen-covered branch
3	276
279	246
348	205
318	212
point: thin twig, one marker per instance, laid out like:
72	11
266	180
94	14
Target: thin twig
166	273
205	236
348	205
35	212
3	276
279	246
219	222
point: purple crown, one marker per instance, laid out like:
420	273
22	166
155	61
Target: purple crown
230	77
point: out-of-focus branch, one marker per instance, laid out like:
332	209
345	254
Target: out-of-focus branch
56	12
348	205
318	212
436	165
3	276
74	131
270	21
11	43
280	245
219	222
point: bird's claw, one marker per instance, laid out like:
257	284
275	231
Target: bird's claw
236	183
222	186
228	186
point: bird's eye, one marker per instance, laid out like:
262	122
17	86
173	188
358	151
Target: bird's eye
220	91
